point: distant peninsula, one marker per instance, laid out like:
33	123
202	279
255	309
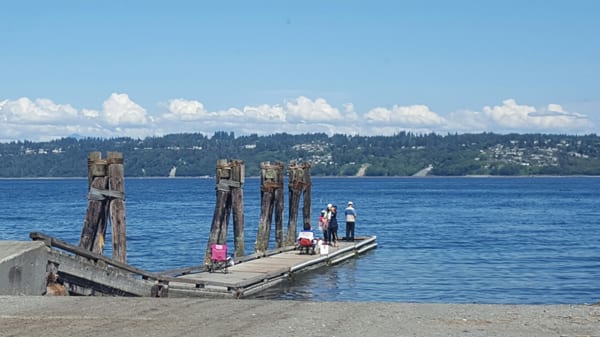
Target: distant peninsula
403	154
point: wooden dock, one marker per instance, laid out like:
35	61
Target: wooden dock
250	277
87	273
83	270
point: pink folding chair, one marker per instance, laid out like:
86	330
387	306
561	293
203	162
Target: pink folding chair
218	258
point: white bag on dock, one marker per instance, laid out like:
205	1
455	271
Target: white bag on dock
324	250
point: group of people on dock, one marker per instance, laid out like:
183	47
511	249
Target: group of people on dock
328	223
328	226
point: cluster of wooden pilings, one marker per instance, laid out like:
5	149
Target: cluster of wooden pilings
106	201
229	197
271	201
299	187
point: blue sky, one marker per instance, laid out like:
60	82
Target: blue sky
142	68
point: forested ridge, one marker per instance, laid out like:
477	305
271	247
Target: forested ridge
403	154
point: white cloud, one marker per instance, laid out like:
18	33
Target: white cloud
304	109
190	110
43	119
90	113
557	110
510	114
26	111
518	118
265	113
467	121
405	116
350	113
185	110
293	116
118	109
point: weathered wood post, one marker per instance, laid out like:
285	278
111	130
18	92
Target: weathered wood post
106	201
279	194
299	186
95	215
237	200
307	196
116	185
230	179
271	198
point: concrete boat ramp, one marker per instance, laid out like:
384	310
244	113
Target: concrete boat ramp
25	266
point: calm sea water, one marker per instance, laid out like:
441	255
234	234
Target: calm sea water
460	240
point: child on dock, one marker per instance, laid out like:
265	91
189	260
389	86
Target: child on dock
323	221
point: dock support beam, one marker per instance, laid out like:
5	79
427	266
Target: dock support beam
299	186
271	198
106	201
230	180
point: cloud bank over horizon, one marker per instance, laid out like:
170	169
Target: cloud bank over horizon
42	119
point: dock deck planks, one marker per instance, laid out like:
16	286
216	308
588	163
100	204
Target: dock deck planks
243	278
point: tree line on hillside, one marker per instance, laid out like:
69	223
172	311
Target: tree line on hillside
403	154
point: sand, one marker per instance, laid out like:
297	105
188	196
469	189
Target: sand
131	317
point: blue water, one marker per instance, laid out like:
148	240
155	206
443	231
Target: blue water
457	240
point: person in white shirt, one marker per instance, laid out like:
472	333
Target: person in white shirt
350	213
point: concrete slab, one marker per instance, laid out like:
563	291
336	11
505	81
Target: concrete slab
23	267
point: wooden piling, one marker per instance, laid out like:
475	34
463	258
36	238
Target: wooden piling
116	183
307	196
96	166
229	194
216	226
271	196
106	201
95	215
278	195
299	186
263	234
100	237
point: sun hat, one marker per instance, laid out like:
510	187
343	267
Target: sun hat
329	205
350	203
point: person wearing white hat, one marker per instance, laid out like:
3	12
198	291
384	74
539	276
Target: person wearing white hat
350	213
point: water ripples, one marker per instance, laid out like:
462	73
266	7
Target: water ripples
460	240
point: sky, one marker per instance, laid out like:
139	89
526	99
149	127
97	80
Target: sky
151	68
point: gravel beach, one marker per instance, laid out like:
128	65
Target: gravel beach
132	317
